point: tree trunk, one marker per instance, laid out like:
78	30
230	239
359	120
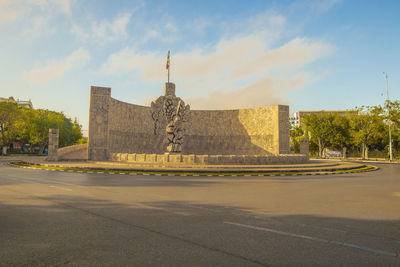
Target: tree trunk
366	152
363	150
3	138
4	150
41	149
319	148
344	152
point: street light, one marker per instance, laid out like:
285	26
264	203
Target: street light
390	122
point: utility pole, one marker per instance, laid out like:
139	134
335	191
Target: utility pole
390	122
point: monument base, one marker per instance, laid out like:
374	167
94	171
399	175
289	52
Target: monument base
176	158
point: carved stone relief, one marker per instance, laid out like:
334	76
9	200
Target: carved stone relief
170	115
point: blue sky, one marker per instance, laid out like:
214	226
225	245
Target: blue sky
310	55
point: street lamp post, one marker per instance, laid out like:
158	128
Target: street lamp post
390	122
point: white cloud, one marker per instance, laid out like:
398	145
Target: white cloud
265	91
151	34
199	25
171	27
127	60
39	26
55	69
244	70
322	6
161	32
63	6
8	13
104	31
37	17
266	19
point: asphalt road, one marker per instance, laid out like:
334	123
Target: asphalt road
50	218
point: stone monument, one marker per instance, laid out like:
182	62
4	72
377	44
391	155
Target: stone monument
121	131
170	132
170	115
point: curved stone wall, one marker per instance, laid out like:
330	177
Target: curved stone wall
234	132
131	129
119	127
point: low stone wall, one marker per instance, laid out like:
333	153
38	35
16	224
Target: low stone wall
210	159
76	152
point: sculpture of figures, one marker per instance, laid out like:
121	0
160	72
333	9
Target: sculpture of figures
170	113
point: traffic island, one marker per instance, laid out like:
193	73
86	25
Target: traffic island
314	168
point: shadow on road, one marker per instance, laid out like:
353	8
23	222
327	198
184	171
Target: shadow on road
81	231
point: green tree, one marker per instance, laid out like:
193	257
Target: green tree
10	122
32	126
340	137
38	123
367	128
296	134
320	127
76	133
394	116
328	130
391	116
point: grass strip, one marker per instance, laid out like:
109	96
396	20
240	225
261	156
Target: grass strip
166	173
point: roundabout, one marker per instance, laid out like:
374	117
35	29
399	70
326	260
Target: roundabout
314	167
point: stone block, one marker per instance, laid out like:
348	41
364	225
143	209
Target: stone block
175	158
162	158
213	159
115	157
169	89
152	158
304	147
53	145
233	159
188	159
201	159
140	157
132	157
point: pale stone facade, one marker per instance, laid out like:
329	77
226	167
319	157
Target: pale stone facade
117	128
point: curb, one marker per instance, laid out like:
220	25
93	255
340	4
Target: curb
25	165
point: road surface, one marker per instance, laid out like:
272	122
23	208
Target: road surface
52	218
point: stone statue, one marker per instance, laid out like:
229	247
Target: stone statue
170	115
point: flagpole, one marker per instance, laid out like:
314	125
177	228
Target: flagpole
169	64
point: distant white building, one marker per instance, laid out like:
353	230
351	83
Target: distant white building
297	118
21	103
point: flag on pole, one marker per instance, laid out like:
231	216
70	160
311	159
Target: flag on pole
168	61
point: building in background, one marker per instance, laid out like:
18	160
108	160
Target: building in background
298	117
21	103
